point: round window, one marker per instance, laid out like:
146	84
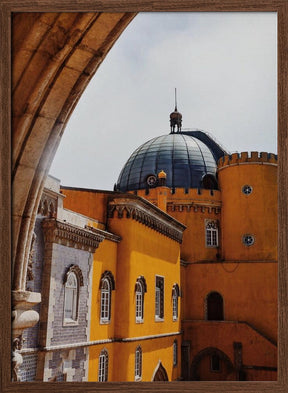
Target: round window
247	189
248	240
151	180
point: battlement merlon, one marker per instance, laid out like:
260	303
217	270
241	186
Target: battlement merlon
181	194
254	157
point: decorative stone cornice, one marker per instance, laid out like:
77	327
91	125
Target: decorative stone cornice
194	206
107	235
138	209
70	235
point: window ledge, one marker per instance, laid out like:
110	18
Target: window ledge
104	322
158	319
70	322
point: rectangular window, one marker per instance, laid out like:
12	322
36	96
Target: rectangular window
211	233
175	306
103	368
105	300
215	363
159	298
139	307
69	298
138	364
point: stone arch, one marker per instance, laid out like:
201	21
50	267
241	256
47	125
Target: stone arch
54	57
74	269
109	276
160	374
207	352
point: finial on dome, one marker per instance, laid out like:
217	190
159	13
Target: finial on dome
175	117
162	176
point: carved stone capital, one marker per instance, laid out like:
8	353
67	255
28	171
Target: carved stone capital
23	317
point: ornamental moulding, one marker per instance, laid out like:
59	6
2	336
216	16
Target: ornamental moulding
70	235
107	235
47	206
148	215
194	206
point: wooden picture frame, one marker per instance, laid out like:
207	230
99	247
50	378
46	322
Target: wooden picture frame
10	6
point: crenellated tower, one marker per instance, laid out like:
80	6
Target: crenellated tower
248	184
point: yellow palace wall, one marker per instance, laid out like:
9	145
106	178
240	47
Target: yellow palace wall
246	277
122	359
105	258
241	286
192	209
142	251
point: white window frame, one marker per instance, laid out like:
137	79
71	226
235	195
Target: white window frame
139	302
105	301
71	299
211	233
103	366
158	295
138	364
175	305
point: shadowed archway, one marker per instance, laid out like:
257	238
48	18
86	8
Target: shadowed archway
214	304
54	56
160	374
214	364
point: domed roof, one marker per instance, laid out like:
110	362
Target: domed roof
185	158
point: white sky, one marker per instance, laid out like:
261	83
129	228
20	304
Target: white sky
224	66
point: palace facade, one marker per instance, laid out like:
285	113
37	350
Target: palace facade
171	276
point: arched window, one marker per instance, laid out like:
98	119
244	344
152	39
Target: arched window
215	310
140	289
73	279
159	298
103	366
175	295
105	301
175	353
209	182
107	283
211	233
138	363
139	302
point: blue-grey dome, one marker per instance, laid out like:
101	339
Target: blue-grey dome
188	160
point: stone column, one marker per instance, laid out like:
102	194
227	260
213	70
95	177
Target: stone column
23	317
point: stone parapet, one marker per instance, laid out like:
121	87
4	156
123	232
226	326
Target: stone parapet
247	158
180	194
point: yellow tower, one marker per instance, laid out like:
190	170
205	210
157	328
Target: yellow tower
249	206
